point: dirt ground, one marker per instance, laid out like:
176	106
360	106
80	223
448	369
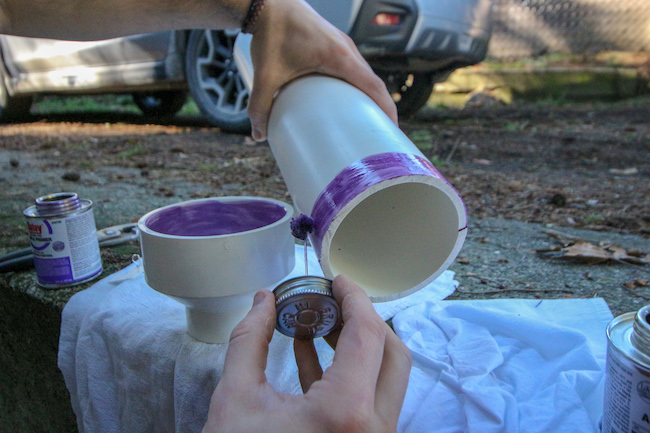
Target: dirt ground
580	165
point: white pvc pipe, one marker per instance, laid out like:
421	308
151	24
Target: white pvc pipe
384	215
215	276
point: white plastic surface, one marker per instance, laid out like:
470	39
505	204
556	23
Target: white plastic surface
217	275
320	125
396	236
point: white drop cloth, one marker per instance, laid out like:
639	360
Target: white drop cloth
483	366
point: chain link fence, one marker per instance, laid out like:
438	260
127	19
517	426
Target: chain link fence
531	28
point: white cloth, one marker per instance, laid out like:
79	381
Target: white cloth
502	365
505	365
130	367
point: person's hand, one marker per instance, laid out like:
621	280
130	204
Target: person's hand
362	391
291	40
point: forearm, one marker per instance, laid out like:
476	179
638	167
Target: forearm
98	19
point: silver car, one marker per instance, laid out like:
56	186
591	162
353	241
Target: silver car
411	44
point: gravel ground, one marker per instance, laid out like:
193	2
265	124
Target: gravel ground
581	169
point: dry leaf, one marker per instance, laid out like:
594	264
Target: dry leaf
624	171
586	252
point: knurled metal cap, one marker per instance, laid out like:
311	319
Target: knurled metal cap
306	308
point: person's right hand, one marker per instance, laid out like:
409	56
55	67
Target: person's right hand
361	392
291	40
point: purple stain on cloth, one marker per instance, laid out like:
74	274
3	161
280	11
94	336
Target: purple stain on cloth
302	226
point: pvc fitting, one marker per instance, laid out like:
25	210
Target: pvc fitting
213	254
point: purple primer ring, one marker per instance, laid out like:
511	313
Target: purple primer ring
358	177
214	217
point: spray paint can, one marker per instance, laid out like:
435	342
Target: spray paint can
63	238
627	377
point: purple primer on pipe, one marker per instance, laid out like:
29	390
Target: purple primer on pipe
358	177
214	217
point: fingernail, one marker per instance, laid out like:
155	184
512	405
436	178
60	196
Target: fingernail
259	297
257	135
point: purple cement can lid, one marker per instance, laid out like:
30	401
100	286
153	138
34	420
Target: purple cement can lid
306	308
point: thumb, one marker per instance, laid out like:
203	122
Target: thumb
249	343
259	106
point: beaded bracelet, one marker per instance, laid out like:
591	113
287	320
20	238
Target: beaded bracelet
248	26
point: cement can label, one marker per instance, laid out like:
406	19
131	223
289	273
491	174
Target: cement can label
66	250
627	395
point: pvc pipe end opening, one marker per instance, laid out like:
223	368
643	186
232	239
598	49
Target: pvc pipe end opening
397	239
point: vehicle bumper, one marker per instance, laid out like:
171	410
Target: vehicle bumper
431	32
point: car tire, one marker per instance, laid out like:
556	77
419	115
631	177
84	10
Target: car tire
160	103
214	81
410	91
12	108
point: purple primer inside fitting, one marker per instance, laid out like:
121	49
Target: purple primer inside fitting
214	217
358	177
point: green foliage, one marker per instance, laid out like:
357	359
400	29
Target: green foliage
207	167
121	103
594	219
131	152
437	162
85	103
422	138
190	108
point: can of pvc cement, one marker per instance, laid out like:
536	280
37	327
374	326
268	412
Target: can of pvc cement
63	238
627	376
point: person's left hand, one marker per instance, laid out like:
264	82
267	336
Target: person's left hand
291	40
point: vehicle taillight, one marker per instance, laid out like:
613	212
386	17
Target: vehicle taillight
387	19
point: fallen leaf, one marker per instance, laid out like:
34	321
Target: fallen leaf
624	171
463	260
586	252
640	283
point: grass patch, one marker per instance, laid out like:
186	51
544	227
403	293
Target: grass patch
84	103
422	138
207	167
437	161
121	103
594	219
134	151
190	108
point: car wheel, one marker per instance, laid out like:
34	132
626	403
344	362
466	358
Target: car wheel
12	108
214	81
160	103
410	91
